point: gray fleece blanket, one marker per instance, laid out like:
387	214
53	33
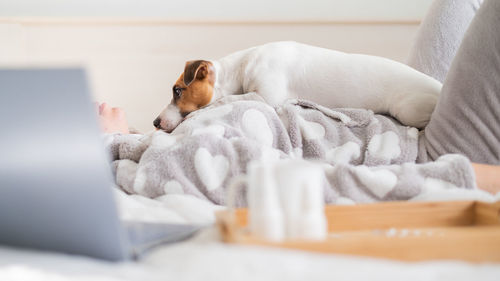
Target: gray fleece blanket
365	157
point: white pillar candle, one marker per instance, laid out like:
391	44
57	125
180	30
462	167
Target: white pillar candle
265	214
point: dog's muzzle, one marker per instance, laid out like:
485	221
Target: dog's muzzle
168	119
157	122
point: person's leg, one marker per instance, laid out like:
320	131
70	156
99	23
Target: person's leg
440	35
467	117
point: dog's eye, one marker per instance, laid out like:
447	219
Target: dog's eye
177	92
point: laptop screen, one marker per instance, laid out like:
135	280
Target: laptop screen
55	178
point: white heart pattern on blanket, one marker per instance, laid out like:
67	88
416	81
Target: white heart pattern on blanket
311	130
385	146
379	182
173	187
140	180
412	133
212	171
163	140
216	130
269	154
344	153
255	126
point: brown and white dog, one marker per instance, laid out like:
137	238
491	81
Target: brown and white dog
288	70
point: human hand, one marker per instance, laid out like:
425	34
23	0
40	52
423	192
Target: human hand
112	119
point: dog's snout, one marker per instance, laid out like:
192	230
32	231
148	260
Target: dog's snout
157	122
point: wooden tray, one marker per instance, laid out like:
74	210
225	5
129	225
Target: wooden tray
410	231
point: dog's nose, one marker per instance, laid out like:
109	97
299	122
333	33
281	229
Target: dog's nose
157	122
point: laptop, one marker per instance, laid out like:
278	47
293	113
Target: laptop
55	176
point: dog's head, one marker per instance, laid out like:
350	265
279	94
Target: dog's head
193	90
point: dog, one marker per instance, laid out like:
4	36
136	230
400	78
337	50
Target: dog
289	70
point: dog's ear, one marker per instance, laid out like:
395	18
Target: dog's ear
197	69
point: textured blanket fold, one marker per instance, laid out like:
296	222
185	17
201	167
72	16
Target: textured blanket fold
365	157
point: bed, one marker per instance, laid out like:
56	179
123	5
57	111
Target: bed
205	257
142	195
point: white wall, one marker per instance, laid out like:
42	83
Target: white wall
224	10
132	62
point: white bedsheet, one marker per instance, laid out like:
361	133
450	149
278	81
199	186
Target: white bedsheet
205	258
